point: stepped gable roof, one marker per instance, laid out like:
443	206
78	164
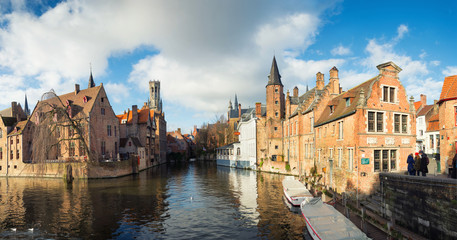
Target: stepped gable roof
77	100
340	110
274	78
9	121
433	123
424	110
449	90
300	101
18	128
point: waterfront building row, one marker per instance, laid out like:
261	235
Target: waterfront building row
78	127
347	137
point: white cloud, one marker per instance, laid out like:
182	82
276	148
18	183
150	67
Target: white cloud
435	63
117	92
295	32
450	71
206	49
301	72
341	50
401	30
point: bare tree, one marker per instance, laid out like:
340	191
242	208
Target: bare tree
58	129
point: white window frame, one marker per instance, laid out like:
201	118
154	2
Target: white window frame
350	159
340	157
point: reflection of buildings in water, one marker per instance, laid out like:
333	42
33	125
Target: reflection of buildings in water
244	182
44	204
276	221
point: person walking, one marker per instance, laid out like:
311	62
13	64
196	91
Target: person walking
417	164
410	161
424	163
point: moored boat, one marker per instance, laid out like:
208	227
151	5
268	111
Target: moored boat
325	222
294	191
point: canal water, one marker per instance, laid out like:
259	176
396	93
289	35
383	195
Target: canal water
199	200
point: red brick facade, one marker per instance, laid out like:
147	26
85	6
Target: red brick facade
333	130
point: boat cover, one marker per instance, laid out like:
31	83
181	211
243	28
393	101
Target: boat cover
328	222
295	188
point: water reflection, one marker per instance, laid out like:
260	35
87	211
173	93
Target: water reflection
180	201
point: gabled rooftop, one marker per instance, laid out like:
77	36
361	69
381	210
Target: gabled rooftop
449	90
340	110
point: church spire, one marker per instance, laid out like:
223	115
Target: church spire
274	78
26	106
91	79
236	102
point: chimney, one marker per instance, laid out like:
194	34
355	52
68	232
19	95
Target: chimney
258	109
435	106
239	110
134	114
423	99
179	131
295	91
76	89
320	81
334	80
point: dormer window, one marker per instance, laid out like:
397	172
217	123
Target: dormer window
123	121
85	99
332	109
348	102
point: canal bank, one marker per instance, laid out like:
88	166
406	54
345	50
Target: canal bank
174	201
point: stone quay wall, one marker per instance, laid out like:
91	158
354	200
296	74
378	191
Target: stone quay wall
80	170
425	205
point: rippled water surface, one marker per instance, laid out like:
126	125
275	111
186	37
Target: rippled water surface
176	201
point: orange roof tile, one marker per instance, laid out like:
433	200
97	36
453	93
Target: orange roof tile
417	105
143	115
433	123
449	89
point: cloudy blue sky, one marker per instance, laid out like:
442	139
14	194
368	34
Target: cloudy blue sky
205	51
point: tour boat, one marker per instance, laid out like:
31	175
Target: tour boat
294	191
325	222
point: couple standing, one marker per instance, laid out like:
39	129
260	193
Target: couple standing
418	164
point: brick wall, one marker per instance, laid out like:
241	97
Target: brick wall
426	206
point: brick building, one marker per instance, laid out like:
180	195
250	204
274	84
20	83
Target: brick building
137	135
448	120
12	153
99	125
270	126
336	131
366	130
155	106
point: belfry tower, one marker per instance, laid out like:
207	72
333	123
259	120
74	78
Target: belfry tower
154	95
